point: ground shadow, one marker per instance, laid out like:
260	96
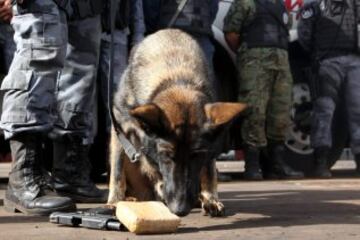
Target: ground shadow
277	208
286	209
21	218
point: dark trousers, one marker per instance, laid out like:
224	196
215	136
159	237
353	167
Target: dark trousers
335	74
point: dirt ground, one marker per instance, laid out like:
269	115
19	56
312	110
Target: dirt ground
305	209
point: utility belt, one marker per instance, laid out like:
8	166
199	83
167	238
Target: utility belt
80	9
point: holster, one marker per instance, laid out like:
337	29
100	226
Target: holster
80	9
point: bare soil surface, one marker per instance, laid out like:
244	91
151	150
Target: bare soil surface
304	209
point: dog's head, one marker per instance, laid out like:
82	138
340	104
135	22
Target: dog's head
186	139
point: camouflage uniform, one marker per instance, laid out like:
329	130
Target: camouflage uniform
265	81
50	85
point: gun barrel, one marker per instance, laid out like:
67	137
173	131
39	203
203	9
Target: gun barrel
114	225
87	220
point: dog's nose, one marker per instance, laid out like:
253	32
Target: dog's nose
182	213
179	209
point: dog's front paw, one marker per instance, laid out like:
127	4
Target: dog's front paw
213	207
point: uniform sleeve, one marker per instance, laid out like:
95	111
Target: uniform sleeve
236	16
305	28
137	24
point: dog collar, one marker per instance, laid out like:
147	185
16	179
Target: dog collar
129	149
134	154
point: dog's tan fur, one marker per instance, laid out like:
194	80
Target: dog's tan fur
166	85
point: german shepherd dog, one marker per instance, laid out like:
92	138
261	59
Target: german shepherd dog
164	103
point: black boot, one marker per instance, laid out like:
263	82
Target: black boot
357	161
252	164
321	169
71	172
277	168
28	189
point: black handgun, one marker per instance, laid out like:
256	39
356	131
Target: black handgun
87	220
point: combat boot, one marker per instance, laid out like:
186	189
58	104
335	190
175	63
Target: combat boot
71	172
322	169
28	189
252	164
357	161
276	167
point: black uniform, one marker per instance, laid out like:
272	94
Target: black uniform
328	29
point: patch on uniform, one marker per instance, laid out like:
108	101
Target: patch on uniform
308	13
286	18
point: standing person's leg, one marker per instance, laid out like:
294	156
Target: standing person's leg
254	91
40	36
330	78
9	44
208	48
8	50
75	102
352	98
278	118
120	49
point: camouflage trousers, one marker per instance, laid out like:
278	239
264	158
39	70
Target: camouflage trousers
50	87
265	84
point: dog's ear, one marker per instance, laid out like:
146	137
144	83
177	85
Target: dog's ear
149	114
220	113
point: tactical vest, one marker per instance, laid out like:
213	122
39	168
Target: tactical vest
336	31
195	17
269	26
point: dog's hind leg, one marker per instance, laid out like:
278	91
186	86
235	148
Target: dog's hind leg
117	181
208	195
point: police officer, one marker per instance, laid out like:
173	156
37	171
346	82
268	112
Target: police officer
129	25
258	31
195	18
49	90
328	29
